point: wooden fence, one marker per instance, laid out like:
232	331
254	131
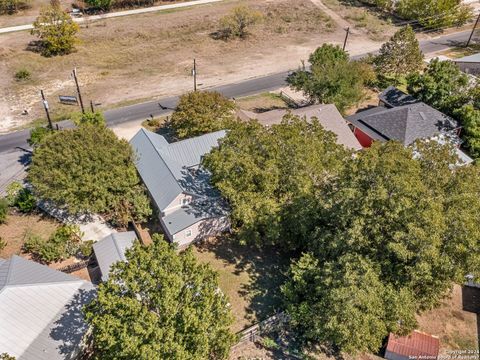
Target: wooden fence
74	267
267	325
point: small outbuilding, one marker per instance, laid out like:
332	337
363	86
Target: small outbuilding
416	346
469	64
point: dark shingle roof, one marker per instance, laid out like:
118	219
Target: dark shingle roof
394	97
404	123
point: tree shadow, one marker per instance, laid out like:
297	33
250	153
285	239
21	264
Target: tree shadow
35	46
70	328
266	269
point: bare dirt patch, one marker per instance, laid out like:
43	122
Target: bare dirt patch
261	102
150	55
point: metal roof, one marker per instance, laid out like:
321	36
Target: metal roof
41	310
327	114
111	249
469	59
415	345
164	167
403	123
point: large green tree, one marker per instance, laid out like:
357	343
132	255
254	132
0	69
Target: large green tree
89	170
56	30
160	305
268	173
332	77
201	112
401	55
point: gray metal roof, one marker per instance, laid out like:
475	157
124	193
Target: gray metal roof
404	123
326	114
111	249
40	310
394	97
163	167
475	58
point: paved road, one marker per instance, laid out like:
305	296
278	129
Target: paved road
117	14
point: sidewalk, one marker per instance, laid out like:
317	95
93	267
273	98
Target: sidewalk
117	14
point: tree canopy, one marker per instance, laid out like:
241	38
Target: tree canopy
202	112
89	170
332	77
56	30
401	55
266	173
160	305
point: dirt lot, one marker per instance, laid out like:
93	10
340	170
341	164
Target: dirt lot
144	56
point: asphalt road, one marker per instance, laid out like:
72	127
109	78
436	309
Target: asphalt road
12	141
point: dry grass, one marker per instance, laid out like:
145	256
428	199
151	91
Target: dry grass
459	52
261	102
19	226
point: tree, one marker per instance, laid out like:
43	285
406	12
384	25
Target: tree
266	175
92	118
101	4
442	86
37	135
401	55
238	22
3	210
434	14
470	119
56	30
332	78
201	112
87	170
160	305
5	356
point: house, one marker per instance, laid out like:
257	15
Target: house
403	118
111	249
417	345
41	311
189	207
469	64
327	115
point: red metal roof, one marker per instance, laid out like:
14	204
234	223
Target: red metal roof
416	344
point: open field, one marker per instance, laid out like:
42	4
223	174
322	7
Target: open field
150	55
249	277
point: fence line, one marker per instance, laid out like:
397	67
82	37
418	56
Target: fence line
74	267
251	333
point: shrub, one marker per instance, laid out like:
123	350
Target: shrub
3	244
86	248
3	210
25	201
13	190
22	74
91	118
37	135
238	22
33	243
11	7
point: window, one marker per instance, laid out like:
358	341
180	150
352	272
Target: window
188	233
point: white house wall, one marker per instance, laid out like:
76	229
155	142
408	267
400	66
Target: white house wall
201	230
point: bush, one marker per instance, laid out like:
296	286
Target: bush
13	6
86	248
25	201
22	74
33	243
13	190
238	22
3	210
3	244
37	135
96	118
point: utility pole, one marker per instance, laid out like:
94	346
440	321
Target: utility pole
45	106
346	38
74	73
194	73
474	27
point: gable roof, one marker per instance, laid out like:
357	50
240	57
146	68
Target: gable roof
394	97
163	167
111	249
475	58
327	114
40	310
403	123
415	345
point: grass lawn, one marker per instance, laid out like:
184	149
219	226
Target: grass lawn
19	226
459	52
251	278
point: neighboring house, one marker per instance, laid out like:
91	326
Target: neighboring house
417	345
469	64
471	296
403	118
327	115
190	208
41	311
111	249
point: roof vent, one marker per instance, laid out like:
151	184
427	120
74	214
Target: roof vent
424	117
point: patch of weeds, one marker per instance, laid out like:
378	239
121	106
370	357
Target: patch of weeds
23	75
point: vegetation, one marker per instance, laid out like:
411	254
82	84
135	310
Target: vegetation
400	56
187	317
266	173
3	244
56	30
89	170
92	118
22	75
237	24
101	4
63	243
25	201
5	356
13	6
332	78
3	210
394	230
37	135
201	112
